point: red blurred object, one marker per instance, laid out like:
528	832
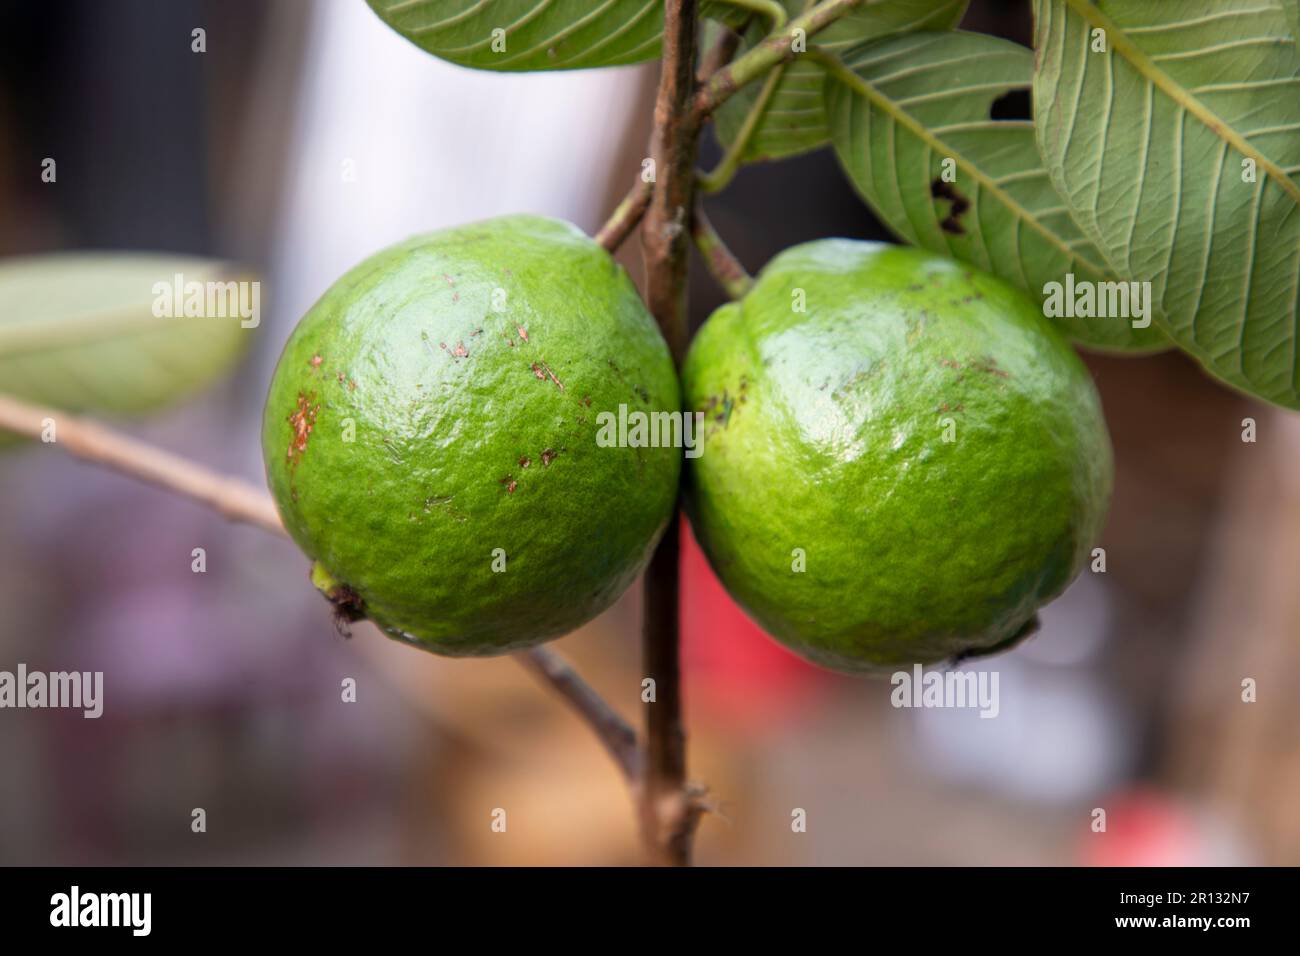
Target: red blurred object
1145	828
733	673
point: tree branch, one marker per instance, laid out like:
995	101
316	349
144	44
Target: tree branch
241	501
718	55
234	499
625	217
669	807
776	47
721	262
614	732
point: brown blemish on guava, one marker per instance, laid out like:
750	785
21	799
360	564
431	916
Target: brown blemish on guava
509	482
950	363
543	372
943	190
523	332
302	420
548	456
990	365
315	361
525	461
448	279
719	408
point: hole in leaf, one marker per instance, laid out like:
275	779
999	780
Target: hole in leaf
1012	105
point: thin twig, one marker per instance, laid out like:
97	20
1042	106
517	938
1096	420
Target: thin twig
670	808
718	178
718	55
625	217
614	732
721	261
241	501
776	47
729	38
235	499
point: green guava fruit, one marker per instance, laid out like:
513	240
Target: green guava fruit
431	436
902	458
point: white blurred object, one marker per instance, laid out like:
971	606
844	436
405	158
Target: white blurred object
390	141
1057	736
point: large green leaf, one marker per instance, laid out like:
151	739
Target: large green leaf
1175	149
793	119
79	331
900	107
515	35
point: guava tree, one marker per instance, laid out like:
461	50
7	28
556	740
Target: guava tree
1150	203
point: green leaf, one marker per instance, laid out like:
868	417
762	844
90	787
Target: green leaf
733	15
1292	9
900	107
78	331
1153	144
793	120
521	35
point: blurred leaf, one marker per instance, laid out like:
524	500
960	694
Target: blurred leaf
905	105
521	35
78	331
793	121
732	14
1175	148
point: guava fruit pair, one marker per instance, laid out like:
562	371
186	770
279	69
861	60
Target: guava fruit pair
901	461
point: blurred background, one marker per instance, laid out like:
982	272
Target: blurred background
307	136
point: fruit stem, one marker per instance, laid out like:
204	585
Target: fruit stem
776	47
615	733
669	808
625	216
721	262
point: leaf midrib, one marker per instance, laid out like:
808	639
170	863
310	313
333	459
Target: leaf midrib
36	336
840	70
1121	43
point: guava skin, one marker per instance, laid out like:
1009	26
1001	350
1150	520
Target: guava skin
824	432
469	367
